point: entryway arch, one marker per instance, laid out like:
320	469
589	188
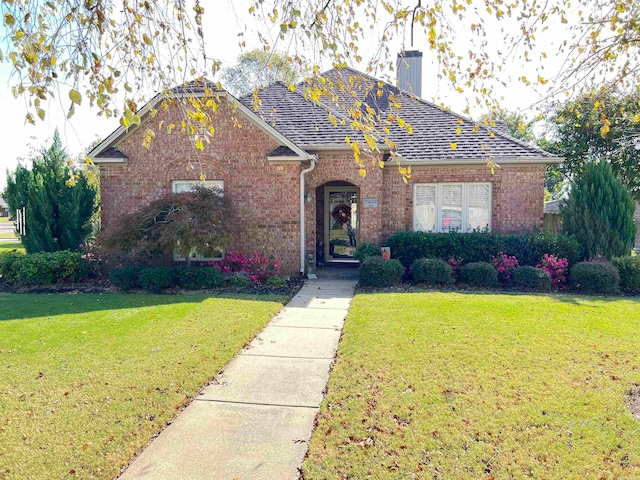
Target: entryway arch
337	222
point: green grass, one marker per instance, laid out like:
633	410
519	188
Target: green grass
86	380
464	386
8	246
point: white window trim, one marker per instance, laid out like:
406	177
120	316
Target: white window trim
196	257
465	204
206	183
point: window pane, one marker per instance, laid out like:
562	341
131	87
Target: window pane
451	207
479	201
425	208
180	186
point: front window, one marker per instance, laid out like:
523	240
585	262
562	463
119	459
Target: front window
181	186
446	207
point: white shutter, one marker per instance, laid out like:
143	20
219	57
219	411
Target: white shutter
479	206
424	208
451	207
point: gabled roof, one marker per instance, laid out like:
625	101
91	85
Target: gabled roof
434	139
107	152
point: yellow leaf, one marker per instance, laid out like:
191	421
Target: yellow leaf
199	145
75	97
454	146
146	39
363	172
458	131
604	131
40	113
292	88
460	121
636	118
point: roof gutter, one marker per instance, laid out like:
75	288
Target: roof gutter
314	161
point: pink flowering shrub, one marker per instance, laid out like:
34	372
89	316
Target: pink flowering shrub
505	265
455	263
598	259
556	268
259	267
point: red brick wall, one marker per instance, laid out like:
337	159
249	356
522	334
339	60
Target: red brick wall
264	198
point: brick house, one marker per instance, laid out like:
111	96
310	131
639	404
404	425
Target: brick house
295	188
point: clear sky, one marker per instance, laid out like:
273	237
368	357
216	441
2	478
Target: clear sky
20	140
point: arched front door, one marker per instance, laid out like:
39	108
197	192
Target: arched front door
341	223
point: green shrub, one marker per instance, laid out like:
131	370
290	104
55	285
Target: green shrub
366	250
275	281
528	248
479	274
198	278
531	278
9	265
126	277
44	268
156	279
560	246
594	277
433	271
599	212
380	272
239	281
629	270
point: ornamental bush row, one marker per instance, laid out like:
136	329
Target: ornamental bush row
157	279
481	247
43	268
595	276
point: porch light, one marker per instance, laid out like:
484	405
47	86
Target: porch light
308	196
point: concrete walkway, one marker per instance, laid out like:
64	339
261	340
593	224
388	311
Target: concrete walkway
254	420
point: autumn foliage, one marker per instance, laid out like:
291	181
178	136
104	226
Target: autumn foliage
183	223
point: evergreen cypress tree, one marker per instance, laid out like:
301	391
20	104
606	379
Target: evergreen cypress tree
57	214
599	212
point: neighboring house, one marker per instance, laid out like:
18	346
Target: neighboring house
295	189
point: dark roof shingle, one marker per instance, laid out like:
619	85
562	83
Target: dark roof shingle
437	134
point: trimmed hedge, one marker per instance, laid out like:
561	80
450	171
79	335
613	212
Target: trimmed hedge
531	278
380	272
9	262
126	277
479	247
197	278
156	279
629	270
433	271
43	268
594	277
479	274
276	281
366	250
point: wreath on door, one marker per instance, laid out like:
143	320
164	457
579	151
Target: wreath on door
342	213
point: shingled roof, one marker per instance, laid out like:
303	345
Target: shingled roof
435	136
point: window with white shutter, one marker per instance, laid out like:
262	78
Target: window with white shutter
445	207
425	208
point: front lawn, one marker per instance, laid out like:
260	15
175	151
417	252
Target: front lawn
86	380
471	386
8	246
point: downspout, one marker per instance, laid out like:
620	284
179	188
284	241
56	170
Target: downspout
314	161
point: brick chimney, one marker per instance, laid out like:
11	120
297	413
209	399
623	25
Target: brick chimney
409	68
